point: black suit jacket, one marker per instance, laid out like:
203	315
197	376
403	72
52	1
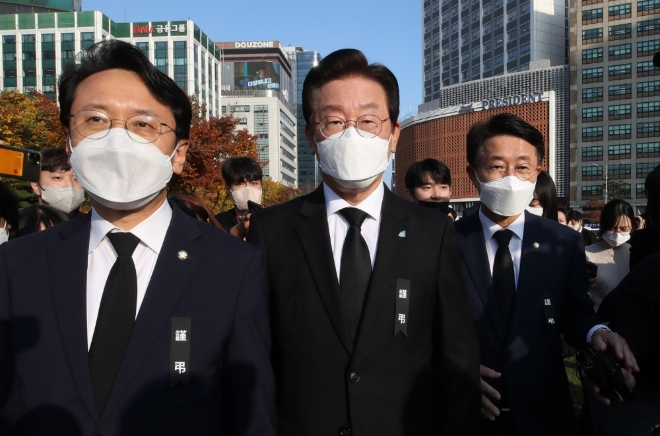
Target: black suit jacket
529	356
588	236
227	219
45	382
382	384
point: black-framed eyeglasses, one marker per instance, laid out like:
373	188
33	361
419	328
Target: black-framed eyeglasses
368	126
142	129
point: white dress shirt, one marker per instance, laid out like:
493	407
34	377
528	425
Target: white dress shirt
339	226
515	247
101	257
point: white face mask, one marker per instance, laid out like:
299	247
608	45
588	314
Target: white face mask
616	239
240	197
120	173
575	227
353	160
4	236
508	196
63	199
538	211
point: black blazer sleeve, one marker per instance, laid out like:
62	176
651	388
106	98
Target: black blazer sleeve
457	344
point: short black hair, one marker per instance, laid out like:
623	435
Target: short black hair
434	169
574	215
611	213
9	207
55	159
115	54
240	169
502	124
38	217
652	186
546	194
346	63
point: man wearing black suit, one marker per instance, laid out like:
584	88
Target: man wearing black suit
371	334
136	319
574	219
526	284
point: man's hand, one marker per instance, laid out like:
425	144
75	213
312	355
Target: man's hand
627	378
242	228
603	340
489	394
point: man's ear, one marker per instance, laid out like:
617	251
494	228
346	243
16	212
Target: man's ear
180	156
35	188
410	195
395	137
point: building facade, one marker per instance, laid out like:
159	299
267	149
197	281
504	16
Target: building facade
467	40
30	6
36	47
258	88
615	99
303	60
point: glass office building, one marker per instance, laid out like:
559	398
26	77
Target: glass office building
36	47
467	40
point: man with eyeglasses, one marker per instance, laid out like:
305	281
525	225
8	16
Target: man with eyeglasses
526	285
371	334
139	320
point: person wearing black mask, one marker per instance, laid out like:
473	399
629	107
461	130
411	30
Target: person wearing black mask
428	183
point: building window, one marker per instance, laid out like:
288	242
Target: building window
619	171
488	27
648	47
591	114
512	15
648	109
619	131
29	63
644	168
499	61
590	75
617	90
475	34
646	69
648	149
620	110
647	5
498	4
48	65
592	55
592	14
181	64
524	29
617	71
499	41
645	89
590	34
499	21
475	16
86	40
592	133
487	8
617	10
620	151
641	191
524	49
524	8
592	153
622	50
592	172
160	56
592	94
648	27
476	52
648	129
512	55
621	31
9	62
589	192
465	22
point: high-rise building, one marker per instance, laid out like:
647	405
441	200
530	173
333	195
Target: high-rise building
615	99
36	47
475	39
257	88
303	60
32	6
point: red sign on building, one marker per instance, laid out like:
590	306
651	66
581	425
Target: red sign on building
143	29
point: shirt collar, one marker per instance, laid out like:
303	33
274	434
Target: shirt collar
150	231
371	205
517	227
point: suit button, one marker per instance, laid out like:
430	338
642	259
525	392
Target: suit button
345	431
355	377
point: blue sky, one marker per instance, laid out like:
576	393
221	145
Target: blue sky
387	31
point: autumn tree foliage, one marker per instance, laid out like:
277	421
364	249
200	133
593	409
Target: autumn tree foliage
30	121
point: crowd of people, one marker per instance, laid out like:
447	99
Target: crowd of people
348	311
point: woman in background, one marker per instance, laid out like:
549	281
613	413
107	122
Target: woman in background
39	217
545	197
612	253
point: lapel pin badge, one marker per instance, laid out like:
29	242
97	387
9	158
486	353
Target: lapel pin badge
535	245
182	255
402	234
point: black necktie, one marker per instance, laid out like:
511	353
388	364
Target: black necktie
355	267
504	278
116	318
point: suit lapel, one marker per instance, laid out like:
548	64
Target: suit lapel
67	260
383	277
166	287
314	237
473	246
